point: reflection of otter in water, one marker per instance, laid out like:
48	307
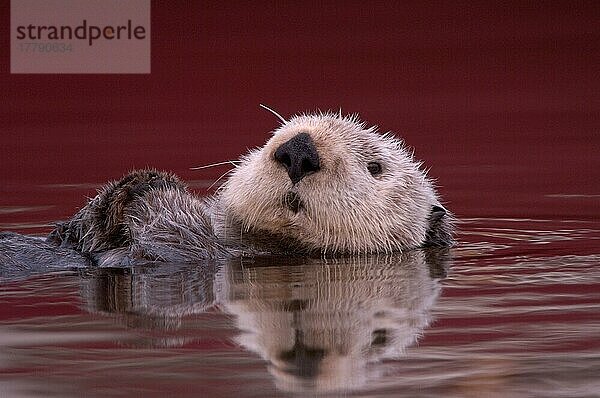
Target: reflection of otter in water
149	297
319	326
322	184
319	323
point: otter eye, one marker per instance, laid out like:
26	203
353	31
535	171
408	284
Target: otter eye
374	168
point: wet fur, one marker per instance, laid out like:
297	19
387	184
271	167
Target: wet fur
344	209
341	209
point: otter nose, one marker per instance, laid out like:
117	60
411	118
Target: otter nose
299	157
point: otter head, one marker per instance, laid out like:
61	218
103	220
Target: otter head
326	183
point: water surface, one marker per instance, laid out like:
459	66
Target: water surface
513	310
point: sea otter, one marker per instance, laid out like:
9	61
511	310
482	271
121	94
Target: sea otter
323	184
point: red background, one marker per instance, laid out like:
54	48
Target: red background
501	100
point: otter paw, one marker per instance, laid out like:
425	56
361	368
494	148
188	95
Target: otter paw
103	224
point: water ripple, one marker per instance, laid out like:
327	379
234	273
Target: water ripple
512	310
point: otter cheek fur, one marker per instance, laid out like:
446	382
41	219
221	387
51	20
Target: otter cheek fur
319	195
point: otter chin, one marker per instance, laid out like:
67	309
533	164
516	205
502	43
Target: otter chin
326	183
322	184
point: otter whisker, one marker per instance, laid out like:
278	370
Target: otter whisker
274	113
231	162
219	179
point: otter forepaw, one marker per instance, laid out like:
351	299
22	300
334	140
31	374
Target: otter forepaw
103	223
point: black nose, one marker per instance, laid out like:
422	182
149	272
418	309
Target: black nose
299	157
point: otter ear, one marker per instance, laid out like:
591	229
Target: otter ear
437	212
439	231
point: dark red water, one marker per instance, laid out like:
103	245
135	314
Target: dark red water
501	101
